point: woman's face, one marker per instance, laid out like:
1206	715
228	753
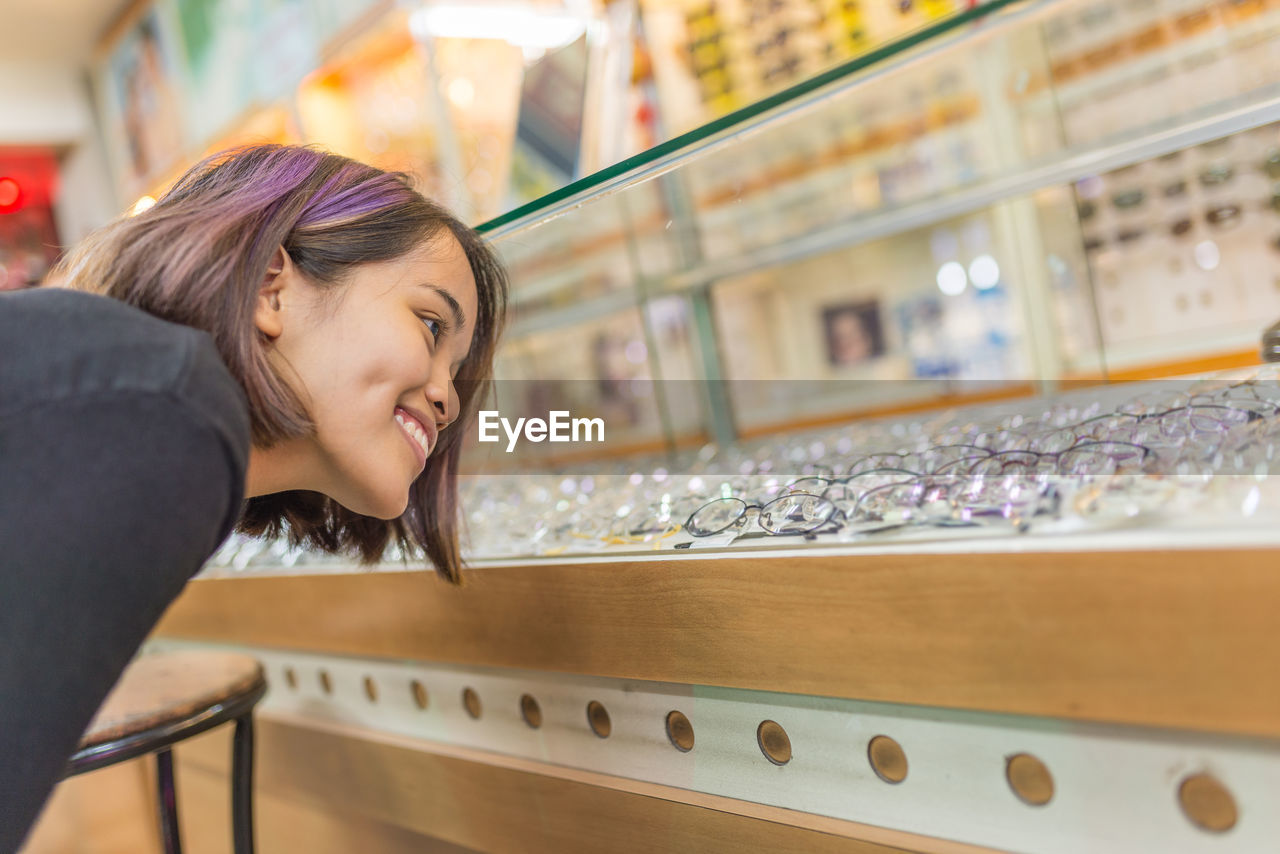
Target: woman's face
373	361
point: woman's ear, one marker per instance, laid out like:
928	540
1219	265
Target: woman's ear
267	315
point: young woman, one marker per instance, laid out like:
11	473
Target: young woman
287	343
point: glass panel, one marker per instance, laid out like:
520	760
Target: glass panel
915	134
675	359
1118	67
570	260
710	58
1069	294
924	215
603	371
844	331
747	116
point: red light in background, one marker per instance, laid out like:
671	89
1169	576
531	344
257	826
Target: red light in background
32	173
10	195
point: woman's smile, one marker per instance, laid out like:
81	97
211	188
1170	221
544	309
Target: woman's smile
422	439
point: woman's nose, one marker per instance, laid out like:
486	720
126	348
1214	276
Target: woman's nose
439	399
443	398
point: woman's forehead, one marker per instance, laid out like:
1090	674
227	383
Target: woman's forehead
443	266
449	260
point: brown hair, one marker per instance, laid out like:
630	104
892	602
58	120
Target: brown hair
199	256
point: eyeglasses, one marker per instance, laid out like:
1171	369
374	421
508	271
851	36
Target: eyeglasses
1217	174
1129	199
1087	458
1271	163
1219	217
793	513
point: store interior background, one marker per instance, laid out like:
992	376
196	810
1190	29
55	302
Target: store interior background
817	269
870	217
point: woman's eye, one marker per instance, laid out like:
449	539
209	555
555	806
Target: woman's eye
434	325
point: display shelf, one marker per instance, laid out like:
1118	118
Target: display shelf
1225	527
1038	474
1058	169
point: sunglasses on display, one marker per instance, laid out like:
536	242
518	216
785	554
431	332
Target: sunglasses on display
1219	217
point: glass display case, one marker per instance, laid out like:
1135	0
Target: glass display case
967	238
1014	201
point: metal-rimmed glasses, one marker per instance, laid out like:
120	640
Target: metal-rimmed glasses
788	514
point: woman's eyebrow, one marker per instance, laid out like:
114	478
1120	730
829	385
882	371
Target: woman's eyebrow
459	316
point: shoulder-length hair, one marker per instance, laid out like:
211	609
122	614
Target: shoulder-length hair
199	257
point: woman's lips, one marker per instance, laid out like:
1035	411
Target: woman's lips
417	437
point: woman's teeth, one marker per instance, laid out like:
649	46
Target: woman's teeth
415	431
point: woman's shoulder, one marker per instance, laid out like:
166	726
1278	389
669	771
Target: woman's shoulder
59	343
50	327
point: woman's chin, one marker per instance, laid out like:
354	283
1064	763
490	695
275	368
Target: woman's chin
377	506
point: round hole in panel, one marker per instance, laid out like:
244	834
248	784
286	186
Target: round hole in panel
887	758
370	689
774	742
471	701
680	731
598	718
1030	779
326	684
291	678
530	711
1207	803
419	694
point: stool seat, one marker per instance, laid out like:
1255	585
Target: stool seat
170	688
161	700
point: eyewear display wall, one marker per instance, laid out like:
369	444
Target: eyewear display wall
1020	196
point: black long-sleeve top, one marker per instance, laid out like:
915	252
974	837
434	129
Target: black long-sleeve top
123	447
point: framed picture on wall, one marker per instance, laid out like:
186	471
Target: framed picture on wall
853	332
139	88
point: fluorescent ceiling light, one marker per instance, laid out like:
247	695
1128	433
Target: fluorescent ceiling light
518	25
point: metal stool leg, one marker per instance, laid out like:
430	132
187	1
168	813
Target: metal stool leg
168	803
242	786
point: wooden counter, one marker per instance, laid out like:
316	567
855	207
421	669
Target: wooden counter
1172	643
1178	638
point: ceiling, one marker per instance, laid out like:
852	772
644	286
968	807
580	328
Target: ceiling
59	32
